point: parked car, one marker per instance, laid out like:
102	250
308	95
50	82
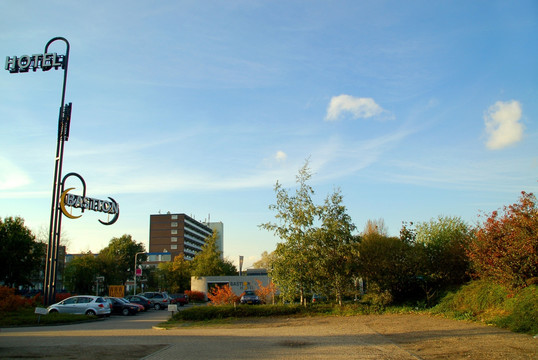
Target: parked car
250	297
160	300
180	299
139	299
119	307
140	307
82	304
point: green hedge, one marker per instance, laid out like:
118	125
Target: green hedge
209	312
200	313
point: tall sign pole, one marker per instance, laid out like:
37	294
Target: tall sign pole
47	61
64	120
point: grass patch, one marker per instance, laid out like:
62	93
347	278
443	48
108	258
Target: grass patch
477	301
492	304
27	317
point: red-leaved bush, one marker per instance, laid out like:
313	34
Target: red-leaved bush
195	296
505	247
266	293
222	295
9	301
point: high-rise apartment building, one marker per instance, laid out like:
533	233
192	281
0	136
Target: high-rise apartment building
180	234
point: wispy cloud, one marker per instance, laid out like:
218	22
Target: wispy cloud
11	176
342	105
503	126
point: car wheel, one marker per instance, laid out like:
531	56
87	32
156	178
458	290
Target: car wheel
91	313
125	312
157	306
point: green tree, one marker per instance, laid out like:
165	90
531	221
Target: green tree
505	246
80	274
117	259
209	261
176	274
20	254
318	249
265	262
292	268
387	264
335	247
441	246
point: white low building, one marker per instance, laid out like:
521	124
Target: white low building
238	284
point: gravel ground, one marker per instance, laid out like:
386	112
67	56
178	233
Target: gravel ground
359	337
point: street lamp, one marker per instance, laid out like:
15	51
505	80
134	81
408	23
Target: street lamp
136	255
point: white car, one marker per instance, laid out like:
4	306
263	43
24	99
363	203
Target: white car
82	304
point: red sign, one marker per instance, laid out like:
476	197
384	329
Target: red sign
138	272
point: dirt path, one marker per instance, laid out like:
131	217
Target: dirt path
396	337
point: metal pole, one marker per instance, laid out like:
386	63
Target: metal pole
51	266
136	255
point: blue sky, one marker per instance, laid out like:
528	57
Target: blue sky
413	109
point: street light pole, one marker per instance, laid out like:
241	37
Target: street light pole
136	255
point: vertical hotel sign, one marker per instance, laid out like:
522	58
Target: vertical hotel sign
61	198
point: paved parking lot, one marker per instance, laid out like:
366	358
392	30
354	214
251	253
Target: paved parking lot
360	337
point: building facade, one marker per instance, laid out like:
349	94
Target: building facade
179	234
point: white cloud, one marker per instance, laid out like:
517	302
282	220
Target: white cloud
11	177
502	124
358	107
281	156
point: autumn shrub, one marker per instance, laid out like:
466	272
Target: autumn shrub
195	296
222	295
266	293
505	246
9	301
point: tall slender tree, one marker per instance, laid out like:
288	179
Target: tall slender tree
293	258
335	246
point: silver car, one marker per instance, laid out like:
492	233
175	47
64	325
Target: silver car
82	304
160	300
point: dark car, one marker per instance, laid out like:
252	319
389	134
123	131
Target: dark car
160	300
119	307
141	300
180	299
250	297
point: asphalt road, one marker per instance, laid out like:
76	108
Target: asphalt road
116	337
133	337
398	337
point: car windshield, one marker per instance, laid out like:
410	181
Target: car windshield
249	293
